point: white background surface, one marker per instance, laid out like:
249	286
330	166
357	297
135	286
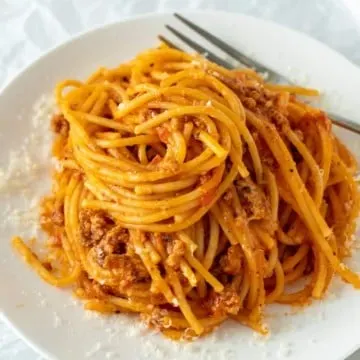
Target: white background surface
29	28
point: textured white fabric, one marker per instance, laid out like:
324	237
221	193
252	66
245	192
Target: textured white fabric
30	27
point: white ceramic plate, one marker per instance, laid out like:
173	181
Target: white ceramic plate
49	320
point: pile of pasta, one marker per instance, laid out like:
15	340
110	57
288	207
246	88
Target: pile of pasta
190	193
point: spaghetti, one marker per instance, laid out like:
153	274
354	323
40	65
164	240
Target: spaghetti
190	193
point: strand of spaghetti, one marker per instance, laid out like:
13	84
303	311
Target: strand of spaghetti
218	287
100	306
128	141
151	268
212	144
183	304
88	104
187	132
192	93
130	177
121	195
298	297
71	207
207	322
221	220
188	273
142	154
59	88
280	284
273	193
244	288
198	83
291	262
272	261
129	304
236	159
141	219
199	240
99	120
213	243
296	273
264	237
305	153
68	242
75	126
236	204
154	256
256	312
186	239
350	180
214	163
121	71
346	156
293	89
179	146
256	326
139	290
113	107
69	164
320	279
327	151
105	204
199	253
36	264
99	104
285	238
119	91
96	75
297	231
147	189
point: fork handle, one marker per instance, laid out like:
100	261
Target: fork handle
345	123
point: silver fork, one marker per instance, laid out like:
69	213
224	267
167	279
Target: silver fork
272	75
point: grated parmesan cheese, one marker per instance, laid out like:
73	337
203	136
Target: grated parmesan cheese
284	350
94	350
24	168
57	320
110	355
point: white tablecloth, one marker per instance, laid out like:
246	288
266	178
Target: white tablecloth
30	27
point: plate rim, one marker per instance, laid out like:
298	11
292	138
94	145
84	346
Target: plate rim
128	19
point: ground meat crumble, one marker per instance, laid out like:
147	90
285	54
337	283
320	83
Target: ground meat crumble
231	262
94	224
59	125
226	302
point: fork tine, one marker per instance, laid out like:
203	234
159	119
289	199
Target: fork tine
345	123
168	42
234	53
206	53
